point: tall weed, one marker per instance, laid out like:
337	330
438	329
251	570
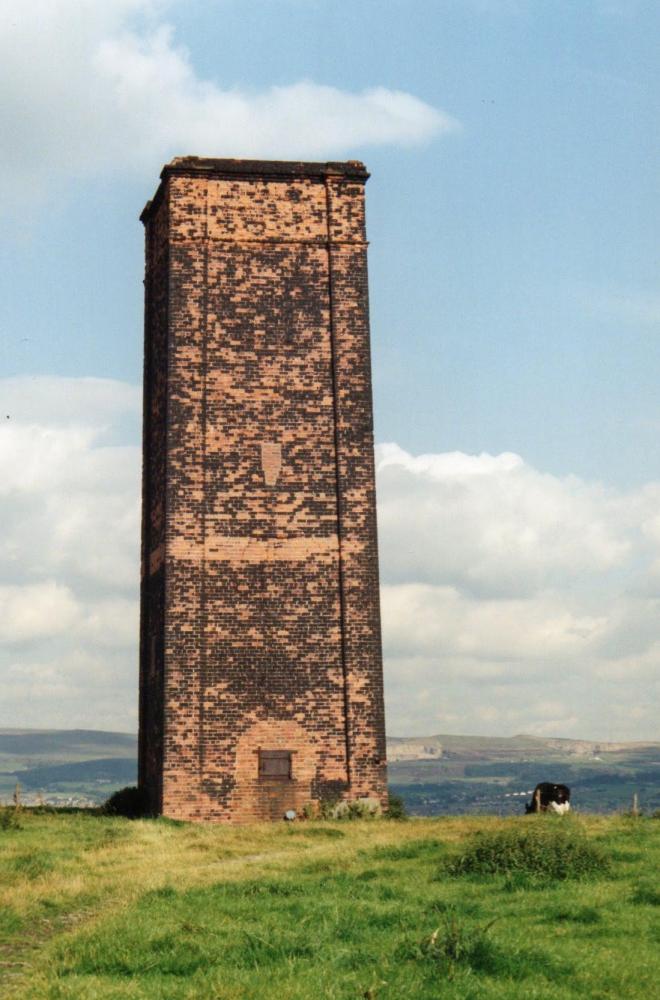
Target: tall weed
453	945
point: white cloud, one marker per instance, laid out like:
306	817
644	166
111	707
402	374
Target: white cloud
99	87
69	687
69	504
420	619
503	587
493	525
65	402
512	600
35	611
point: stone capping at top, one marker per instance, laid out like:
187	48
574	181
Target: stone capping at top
202	166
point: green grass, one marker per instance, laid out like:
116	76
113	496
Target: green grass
94	907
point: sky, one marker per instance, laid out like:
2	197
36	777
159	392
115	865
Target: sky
513	212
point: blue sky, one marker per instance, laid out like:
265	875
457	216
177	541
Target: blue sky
514	263
513	218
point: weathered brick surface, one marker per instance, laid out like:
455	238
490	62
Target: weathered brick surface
260	614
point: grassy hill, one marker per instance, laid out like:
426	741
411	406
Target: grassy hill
94	908
435	775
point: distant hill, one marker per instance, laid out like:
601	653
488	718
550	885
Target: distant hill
434	774
82	766
49	745
105	770
509	748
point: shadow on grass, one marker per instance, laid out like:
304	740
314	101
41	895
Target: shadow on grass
646	894
575	915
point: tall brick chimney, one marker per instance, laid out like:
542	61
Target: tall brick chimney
260	663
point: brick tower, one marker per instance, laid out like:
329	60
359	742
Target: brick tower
260	663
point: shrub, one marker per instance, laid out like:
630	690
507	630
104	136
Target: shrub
546	851
308	810
396	808
357	809
130	802
9	818
327	808
353	809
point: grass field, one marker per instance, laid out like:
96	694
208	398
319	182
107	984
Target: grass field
94	907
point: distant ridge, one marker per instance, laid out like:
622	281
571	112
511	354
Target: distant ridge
27	748
520	747
59	745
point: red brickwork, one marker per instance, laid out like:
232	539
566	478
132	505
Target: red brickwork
260	617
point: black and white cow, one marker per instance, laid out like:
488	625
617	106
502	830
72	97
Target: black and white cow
550	798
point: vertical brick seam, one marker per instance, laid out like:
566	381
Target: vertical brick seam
357	500
338	486
203	639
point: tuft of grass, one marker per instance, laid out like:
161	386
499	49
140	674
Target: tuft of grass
454	944
32	864
444	906
546	851
10	922
625	856
459	949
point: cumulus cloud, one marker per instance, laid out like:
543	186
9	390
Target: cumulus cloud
34	611
67	685
69	504
93	87
503	586
512	600
493	525
92	403
507	631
